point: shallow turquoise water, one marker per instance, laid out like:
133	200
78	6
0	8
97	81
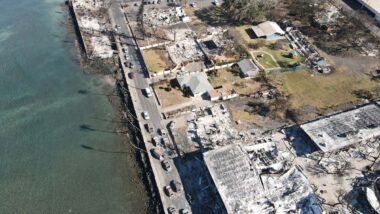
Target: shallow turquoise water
46	165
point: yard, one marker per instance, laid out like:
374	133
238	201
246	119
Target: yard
278	49
169	97
156	59
242	86
265	59
321	91
282	55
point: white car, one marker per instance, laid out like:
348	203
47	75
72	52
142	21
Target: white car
145	115
193	4
147	92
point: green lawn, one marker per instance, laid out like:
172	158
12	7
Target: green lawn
265	60
282	57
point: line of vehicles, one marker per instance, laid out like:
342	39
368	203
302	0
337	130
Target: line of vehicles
163	149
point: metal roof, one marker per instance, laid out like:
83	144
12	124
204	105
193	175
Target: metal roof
198	83
344	129
248	67
267	28
373	5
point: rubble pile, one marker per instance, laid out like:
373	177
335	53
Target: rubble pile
184	51
164	17
101	47
92	24
245	189
212	128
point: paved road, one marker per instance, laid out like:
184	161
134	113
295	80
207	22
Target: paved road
143	103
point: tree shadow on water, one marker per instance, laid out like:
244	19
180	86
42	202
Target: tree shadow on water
90	148
85	92
86	127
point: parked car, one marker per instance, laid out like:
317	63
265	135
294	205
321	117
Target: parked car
147	92
172	210
149	128
172	125
131	75
165	142
177	186
193	4
158	154
145	115
155	140
166	165
168	191
131	65
216	3
184	211
162	132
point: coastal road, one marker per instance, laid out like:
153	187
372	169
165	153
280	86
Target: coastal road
142	103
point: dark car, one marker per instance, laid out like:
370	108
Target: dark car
158	154
166	165
184	211
177	186
155	140
131	75
149	128
172	210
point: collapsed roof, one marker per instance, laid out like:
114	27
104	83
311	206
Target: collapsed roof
243	190
344	129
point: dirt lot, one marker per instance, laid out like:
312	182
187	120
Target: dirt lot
156	59
170	98
321	91
242	86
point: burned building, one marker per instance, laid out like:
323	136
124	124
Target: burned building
244	189
345	129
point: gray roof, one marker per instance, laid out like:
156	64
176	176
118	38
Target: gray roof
198	83
248	68
344	129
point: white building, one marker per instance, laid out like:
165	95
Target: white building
373	6
268	30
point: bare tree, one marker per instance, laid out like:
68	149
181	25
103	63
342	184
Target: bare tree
249	10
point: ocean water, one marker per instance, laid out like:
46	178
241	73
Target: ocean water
58	149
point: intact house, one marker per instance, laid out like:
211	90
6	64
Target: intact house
197	84
268	30
248	69
224	92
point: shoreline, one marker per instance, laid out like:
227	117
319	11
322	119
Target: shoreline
130	137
